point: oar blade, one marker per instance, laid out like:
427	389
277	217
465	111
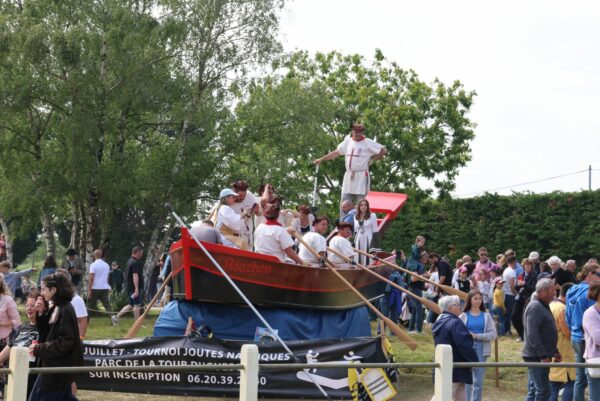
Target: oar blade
401	334
454	291
431	305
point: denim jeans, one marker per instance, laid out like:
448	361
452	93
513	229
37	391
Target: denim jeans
499	315
416	310
509	303
594	388
581	380
538	385
567	387
431	315
475	391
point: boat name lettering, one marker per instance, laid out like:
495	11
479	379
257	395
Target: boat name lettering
254	268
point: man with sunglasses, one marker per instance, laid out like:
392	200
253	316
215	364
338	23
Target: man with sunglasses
577	303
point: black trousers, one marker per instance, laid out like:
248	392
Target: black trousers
517	316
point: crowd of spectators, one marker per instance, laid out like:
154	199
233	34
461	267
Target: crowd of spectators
543	304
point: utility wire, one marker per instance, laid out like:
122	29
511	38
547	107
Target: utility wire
524	183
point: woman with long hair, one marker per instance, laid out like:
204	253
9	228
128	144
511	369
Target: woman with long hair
365	225
483	330
60	344
49	268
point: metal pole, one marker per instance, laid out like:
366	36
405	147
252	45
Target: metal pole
243	296
314	194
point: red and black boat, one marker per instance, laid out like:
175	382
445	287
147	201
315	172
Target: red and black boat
268	282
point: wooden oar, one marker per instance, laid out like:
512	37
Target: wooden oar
400	333
428	304
445	288
137	325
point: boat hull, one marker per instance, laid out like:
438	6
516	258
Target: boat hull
266	281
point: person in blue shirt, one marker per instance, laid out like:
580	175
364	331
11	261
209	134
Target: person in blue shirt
481	325
577	304
348	212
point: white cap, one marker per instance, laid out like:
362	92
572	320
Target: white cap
534	255
226	192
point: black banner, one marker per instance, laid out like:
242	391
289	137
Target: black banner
163	351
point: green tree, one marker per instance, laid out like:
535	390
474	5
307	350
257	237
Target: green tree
425	128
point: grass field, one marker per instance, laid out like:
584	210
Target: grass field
415	384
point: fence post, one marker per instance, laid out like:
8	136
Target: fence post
16	389
443	374
249	375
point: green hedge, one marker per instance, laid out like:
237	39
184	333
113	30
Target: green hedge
563	224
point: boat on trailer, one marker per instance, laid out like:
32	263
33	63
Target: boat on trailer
268	282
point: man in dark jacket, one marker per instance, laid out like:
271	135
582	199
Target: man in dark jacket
541	338
449	329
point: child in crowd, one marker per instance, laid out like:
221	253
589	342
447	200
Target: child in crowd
463	283
484	288
498	308
415	253
116	277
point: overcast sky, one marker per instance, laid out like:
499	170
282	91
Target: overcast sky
535	66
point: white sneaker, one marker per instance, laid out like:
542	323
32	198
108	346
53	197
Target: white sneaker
114	320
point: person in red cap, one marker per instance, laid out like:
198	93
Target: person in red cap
359	152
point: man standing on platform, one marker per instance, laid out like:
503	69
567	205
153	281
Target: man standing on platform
359	152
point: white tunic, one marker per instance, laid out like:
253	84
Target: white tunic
296	223
317	242
249	201
364	236
357	154
272	240
228	217
343	247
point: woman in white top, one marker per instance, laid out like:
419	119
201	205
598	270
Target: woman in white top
365	225
229	223
304	222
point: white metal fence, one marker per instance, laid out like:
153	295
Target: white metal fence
249	368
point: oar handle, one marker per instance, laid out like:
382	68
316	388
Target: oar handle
445	288
137	325
401	334
429	304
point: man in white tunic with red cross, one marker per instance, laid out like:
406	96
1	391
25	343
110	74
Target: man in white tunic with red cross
359	152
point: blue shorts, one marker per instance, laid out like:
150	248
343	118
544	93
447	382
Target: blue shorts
135	301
